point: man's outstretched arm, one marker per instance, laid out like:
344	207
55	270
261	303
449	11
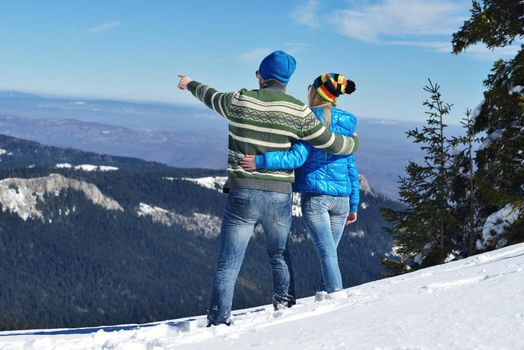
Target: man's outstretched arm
206	94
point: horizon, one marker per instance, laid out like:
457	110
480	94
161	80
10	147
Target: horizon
133	51
196	104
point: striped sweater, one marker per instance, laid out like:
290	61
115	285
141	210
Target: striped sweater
267	120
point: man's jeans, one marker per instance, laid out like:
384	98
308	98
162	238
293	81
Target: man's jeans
325	217
244	209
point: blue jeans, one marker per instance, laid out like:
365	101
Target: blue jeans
325	217
244	209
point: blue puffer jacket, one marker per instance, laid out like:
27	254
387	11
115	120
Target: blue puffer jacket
318	171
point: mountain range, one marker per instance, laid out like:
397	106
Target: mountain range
179	135
89	239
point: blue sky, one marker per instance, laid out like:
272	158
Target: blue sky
133	50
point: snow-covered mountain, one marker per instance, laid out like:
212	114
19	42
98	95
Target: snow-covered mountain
24	197
100	239
475	303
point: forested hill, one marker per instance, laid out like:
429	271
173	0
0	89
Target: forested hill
89	239
17	153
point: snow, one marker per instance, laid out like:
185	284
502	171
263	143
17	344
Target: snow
394	252
451	256
210	182
475	303
364	185
516	90
150	210
357	234
202	224
24	196
495	135
86	167
296	207
496	224
477	111
107	168
5	152
18	200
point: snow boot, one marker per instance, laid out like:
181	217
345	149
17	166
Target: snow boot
337	295
320	295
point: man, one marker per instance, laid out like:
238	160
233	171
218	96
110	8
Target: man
260	121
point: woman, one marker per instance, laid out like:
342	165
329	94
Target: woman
328	183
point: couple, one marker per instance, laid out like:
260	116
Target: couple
268	120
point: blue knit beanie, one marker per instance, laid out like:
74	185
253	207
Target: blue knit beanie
278	65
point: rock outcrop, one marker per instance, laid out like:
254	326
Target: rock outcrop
21	196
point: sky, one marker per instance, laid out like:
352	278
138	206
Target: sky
134	50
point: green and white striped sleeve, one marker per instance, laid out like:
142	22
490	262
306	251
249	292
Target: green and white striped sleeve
316	134
210	97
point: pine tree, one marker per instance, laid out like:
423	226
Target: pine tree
500	159
463	187
426	231
497	23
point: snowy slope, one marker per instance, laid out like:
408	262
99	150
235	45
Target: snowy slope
476	303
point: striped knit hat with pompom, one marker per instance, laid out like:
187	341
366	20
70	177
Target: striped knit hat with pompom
331	85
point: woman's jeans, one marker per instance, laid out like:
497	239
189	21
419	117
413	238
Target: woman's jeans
244	209
325	217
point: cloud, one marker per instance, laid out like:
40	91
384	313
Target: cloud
307	14
104	27
400	19
481	52
438	46
255	55
422	23
477	51
296	48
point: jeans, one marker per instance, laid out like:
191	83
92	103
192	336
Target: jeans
289	263
325	217
244	209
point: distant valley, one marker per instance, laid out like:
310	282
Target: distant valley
180	136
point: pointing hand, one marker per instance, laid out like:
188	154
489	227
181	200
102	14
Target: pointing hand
184	80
